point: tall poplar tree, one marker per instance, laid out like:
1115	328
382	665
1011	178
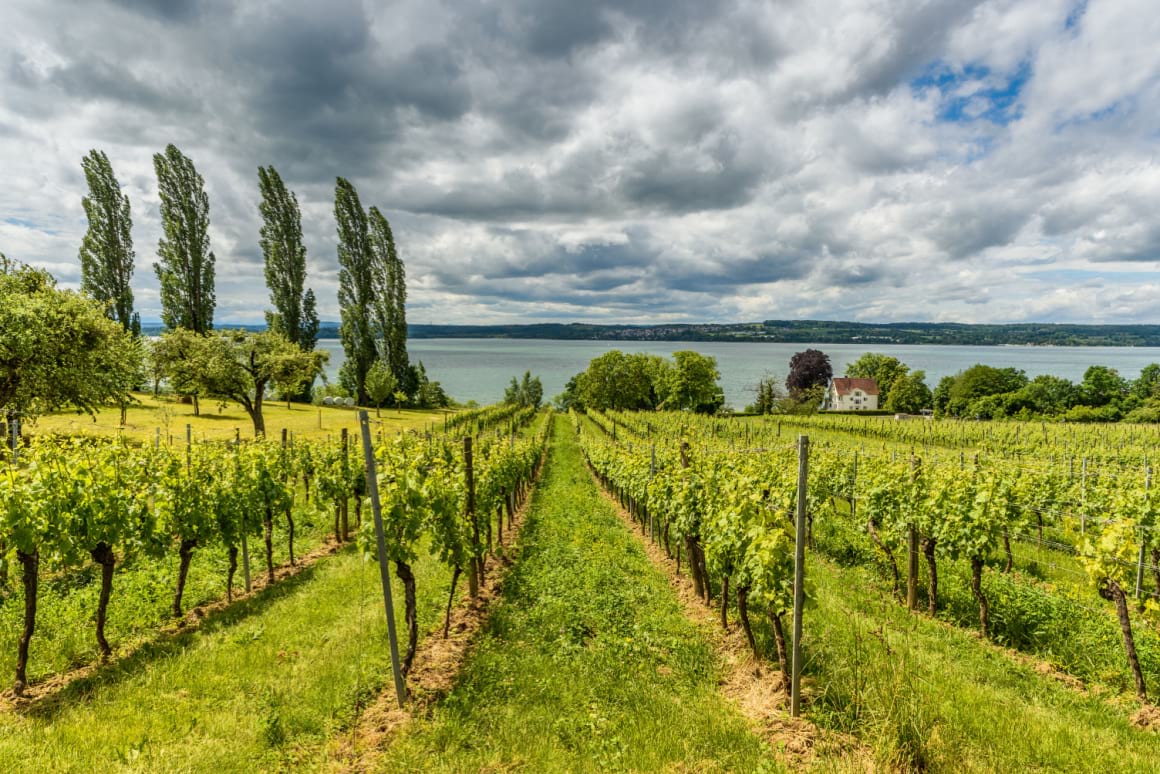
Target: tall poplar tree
294	316
107	248
390	296
186	265
356	289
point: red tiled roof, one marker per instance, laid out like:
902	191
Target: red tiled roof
845	386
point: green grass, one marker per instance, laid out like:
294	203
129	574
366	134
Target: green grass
221	423
141	602
588	663
915	689
264	685
1050	615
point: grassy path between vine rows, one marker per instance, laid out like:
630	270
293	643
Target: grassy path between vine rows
265	686
587	663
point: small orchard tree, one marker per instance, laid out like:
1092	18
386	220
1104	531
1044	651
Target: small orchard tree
381	384
238	365
58	348
291	373
175	358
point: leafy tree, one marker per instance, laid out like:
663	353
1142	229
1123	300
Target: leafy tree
381	384
769	395
238	365
883	369
692	383
978	381
429	393
1145	386
570	397
1044	395
175	358
909	393
294	316
942	395
1101	386
292	374
107	248
615	380
356	289
58	348
809	368
390	294
186	266
527	392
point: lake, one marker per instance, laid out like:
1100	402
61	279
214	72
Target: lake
480	369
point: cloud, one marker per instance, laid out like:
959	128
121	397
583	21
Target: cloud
621	161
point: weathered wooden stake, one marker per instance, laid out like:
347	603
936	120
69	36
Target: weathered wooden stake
381	547
1143	537
799	570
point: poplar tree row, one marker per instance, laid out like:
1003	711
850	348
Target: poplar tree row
185	265
372	293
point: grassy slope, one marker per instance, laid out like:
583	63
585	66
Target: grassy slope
921	688
142	598
220	423
260	687
588	663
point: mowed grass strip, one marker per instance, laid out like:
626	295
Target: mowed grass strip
219	421
263	687
928	696
587	663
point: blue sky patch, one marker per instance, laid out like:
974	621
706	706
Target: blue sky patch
975	93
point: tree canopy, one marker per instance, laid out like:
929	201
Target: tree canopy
294	315
883	369
616	380
107	248
237	365
529	391
58	348
185	267
809	368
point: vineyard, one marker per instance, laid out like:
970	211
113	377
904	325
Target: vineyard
946	565
921	500
1044	539
134	511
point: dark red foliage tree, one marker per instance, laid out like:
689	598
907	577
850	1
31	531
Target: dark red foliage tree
808	369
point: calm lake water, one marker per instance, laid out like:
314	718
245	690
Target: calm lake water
480	369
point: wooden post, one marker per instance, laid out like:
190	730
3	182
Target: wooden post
157	438
475	576
854	490
188	447
799	569
912	563
1083	497
381	546
345	500
1143	537
13	437
652	471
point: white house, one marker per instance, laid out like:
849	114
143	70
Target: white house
849	394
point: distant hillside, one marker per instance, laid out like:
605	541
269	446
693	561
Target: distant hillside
816	331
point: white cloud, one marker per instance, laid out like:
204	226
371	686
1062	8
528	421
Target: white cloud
644	161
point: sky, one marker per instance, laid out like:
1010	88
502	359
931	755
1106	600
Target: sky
642	161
